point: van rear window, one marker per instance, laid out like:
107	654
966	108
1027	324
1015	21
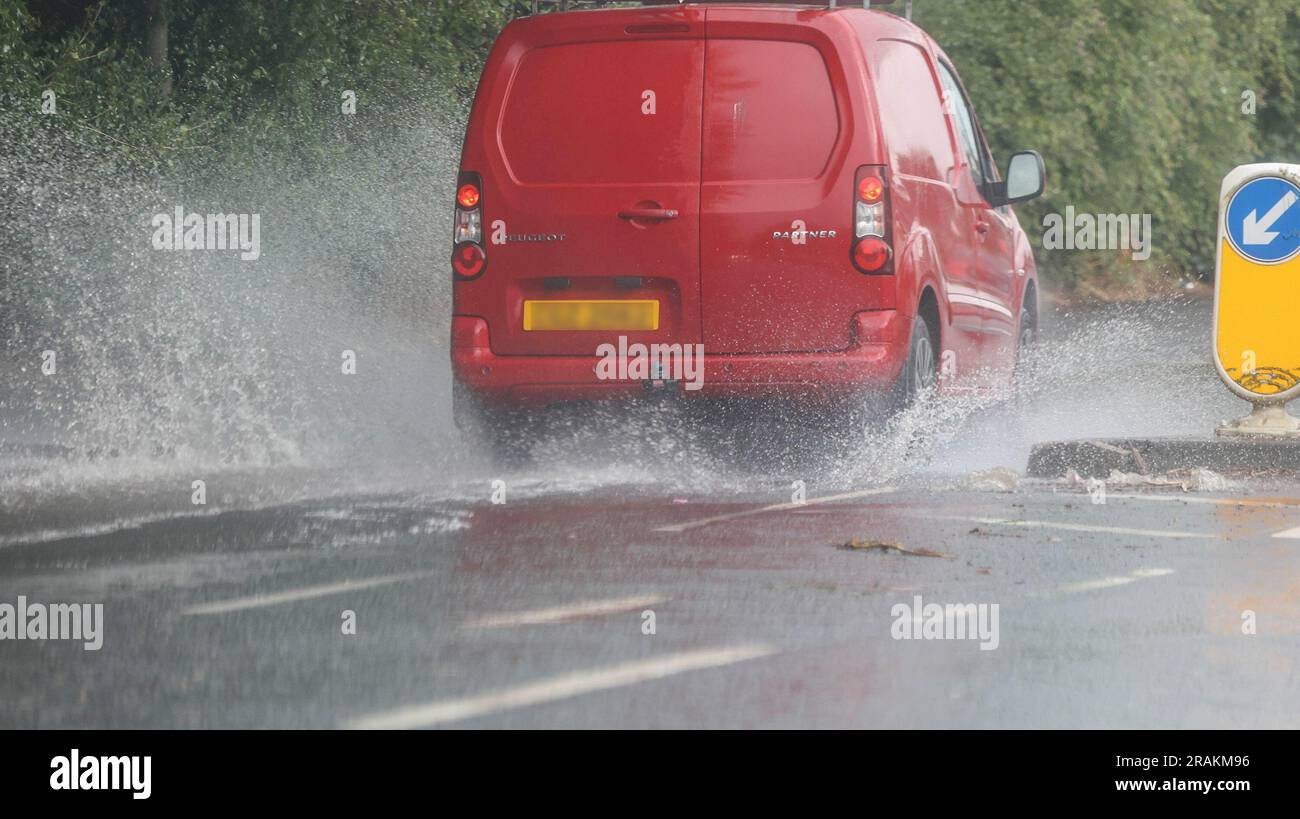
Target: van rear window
606	112
769	112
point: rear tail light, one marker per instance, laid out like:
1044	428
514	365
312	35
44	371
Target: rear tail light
468	256
868	220
871	188
872	252
469	226
468	261
468	195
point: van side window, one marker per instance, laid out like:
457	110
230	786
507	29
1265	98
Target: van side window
961	114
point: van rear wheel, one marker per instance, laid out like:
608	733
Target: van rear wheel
920	372
501	436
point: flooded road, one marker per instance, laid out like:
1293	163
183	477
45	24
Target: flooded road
645	578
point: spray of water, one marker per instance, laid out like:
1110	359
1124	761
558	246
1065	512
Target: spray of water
1103	371
200	360
196	363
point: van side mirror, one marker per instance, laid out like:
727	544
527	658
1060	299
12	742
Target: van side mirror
1026	177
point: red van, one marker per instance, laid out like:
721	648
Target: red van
802	197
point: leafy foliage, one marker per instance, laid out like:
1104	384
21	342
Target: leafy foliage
250	77
1136	105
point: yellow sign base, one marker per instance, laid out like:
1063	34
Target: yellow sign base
1264	419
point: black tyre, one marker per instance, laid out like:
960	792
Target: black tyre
503	436
1024	338
920	372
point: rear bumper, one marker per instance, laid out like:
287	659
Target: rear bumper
872	362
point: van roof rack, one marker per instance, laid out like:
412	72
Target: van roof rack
566	5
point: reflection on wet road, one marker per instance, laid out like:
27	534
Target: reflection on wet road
595	610
645	578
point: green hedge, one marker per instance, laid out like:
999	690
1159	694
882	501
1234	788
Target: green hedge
1135	104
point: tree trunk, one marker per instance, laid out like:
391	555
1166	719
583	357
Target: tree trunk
157	44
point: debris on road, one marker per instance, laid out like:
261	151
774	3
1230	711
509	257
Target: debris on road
891	546
982	532
1094	458
999	479
1193	479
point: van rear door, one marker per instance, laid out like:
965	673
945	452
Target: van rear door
587	133
780	115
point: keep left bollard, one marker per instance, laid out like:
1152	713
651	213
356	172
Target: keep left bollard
1257	295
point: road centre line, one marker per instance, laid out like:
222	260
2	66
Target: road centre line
1264	504
565	686
560	614
776	507
294	595
1112	582
1073	527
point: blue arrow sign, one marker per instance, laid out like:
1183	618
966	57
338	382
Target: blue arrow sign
1263	220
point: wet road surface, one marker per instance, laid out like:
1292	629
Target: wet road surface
641	582
533	613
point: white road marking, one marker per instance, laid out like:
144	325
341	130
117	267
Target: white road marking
258	601
1111	582
777	507
1076	527
1285	504
1288	534
441	712
559	614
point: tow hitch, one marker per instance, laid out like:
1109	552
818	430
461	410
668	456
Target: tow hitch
657	383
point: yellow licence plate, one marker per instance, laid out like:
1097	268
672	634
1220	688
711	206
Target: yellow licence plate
611	314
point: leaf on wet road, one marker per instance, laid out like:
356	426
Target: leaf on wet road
891	546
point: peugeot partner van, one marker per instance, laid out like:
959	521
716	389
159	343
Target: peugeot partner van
798	196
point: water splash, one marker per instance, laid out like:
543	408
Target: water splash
184	361
183	364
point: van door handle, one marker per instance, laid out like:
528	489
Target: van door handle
981	228
655	214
